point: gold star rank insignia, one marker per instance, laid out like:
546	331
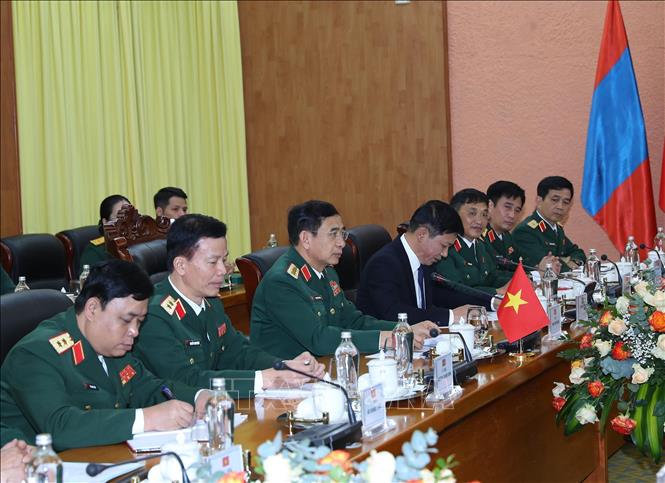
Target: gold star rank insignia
61	342
293	271
515	300
533	224
168	304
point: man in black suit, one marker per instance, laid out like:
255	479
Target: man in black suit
398	277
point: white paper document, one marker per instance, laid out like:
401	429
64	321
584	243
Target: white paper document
75	472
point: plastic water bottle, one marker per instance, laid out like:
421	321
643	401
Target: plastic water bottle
220	410
631	254
402	340
593	266
659	241
84	275
272	241
346	361
550	284
21	286
45	465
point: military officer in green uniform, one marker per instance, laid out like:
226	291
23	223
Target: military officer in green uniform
75	377
299	304
187	336
470	262
506	200
95	251
541	233
6	283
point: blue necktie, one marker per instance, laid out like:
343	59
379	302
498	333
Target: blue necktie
421	285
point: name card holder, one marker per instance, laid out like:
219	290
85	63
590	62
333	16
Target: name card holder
443	378
227	461
554	327
373	411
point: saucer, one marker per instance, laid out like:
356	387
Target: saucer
404	393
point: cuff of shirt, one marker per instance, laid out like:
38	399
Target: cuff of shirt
451	317
258	382
139	422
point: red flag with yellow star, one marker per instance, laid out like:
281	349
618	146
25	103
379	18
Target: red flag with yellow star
520	312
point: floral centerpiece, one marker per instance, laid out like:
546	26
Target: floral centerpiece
620	359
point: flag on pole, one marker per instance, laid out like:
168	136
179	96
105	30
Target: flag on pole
616	188
520	312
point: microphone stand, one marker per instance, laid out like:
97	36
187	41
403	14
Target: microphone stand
507	262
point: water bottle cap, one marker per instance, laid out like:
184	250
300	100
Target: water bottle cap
631	238
402	316
592	250
218	383
86	267
43	439
346	334
660	229
548	265
21	278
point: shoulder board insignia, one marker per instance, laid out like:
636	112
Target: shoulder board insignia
293	271
458	245
126	374
179	309
542	226
61	342
77	353
533	224
97	241
491	236
306	274
335	288
221	330
168	304
485	231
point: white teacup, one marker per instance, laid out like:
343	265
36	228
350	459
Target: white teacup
384	371
467	331
327	399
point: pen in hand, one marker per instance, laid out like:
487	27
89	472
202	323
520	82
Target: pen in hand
168	394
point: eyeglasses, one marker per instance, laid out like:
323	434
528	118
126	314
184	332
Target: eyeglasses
337	234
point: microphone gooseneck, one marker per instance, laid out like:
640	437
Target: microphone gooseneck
458	287
506	262
93	469
605	258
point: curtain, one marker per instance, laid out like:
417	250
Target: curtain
129	97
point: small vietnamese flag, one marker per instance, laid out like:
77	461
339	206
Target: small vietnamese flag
520	312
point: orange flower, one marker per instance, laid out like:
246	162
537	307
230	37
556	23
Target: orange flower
585	343
595	388
657	321
337	458
557	403
605	318
233	477
619	353
623	424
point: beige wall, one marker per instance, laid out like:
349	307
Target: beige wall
521	81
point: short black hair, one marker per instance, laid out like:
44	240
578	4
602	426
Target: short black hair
468	195
507	189
554	183
162	197
185	233
106	208
438	217
308	216
114	279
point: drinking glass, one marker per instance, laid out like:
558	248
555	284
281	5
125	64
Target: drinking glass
477	316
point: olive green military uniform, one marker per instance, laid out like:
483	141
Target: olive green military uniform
53	382
94	252
6	283
472	266
295	311
503	246
535	239
8	434
178	344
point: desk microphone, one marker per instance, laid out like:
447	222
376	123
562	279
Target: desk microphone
462	370
506	262
458	287
467	353
93	469
335	436
605	258
651	249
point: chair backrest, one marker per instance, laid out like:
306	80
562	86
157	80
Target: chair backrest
365	241
75	241
151	257
21	312
40	257
132	228
254	266
347	268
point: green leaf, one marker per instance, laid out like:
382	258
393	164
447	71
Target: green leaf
622	406
633	387
659	409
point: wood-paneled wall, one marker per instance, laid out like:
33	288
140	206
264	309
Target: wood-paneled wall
346	102
10	183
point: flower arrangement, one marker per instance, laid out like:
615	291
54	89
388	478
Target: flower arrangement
620	359
279	461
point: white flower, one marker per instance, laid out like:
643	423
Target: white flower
659	350
380	467
622	305
278	469
558	389
446	476
617	326
656	299
586	414
640	374
588	361
576	375
641	288
603	346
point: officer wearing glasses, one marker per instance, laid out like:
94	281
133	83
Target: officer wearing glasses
299	304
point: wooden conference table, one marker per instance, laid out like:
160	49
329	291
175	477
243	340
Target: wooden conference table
501	429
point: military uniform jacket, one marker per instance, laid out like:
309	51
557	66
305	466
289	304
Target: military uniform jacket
503	246
177	344
53	382
295	311
535	238
476	269
94	252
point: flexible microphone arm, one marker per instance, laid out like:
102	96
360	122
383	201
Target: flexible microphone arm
467	353
508	262
651	249
458	287
605	258
93	469
282	366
